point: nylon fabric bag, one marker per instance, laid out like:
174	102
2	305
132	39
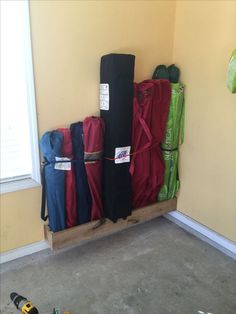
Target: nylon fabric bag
54	181
70	187
116	99
84	201
174	136
93	130
171	180
151	105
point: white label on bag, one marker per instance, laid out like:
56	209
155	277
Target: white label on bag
104	96
122	154
62	165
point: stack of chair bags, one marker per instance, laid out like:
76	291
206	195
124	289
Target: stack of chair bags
71	176
141	125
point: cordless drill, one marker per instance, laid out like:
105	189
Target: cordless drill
22	304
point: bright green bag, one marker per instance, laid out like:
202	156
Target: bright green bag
174	127
171	179
231	80
173	138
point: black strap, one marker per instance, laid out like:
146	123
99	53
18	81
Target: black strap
43	203
44	217
169	149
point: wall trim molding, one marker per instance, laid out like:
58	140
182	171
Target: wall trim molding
23	251
218	241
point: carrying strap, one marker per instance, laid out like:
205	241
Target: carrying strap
93	156
43	202
146	146
169	149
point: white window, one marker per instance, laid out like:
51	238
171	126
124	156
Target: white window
19	139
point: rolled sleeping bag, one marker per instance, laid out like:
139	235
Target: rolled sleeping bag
70	187
116	99
53	179
93	130
84	200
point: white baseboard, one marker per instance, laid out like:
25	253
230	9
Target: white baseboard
23	251
221	243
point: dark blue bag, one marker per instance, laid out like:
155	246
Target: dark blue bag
53	181
84	200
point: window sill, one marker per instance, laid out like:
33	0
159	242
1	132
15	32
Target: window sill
18	185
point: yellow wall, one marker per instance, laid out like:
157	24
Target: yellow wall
20	223
68	38
205	35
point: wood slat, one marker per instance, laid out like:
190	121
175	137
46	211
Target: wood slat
93	230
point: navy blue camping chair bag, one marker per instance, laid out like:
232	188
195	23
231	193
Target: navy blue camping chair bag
84	199
53	181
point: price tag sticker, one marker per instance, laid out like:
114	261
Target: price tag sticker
122	154
65	165
104	96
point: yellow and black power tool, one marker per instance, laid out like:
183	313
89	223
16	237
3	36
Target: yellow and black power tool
22	304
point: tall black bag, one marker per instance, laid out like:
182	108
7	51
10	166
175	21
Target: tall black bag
116	105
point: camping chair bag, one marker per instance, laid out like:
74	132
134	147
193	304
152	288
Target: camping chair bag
171	179
151	105
173	137
53	181
93	130
70	187
84	200
116	98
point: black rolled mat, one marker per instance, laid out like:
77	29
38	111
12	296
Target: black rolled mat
116	108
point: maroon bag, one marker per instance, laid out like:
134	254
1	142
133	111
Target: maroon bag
150	112
70	188
93	130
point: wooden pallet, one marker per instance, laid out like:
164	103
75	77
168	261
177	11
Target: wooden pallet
93	230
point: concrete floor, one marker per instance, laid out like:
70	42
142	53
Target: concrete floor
153	268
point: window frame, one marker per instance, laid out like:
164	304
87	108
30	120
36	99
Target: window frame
34	180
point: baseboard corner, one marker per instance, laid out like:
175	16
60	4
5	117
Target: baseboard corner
221	243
